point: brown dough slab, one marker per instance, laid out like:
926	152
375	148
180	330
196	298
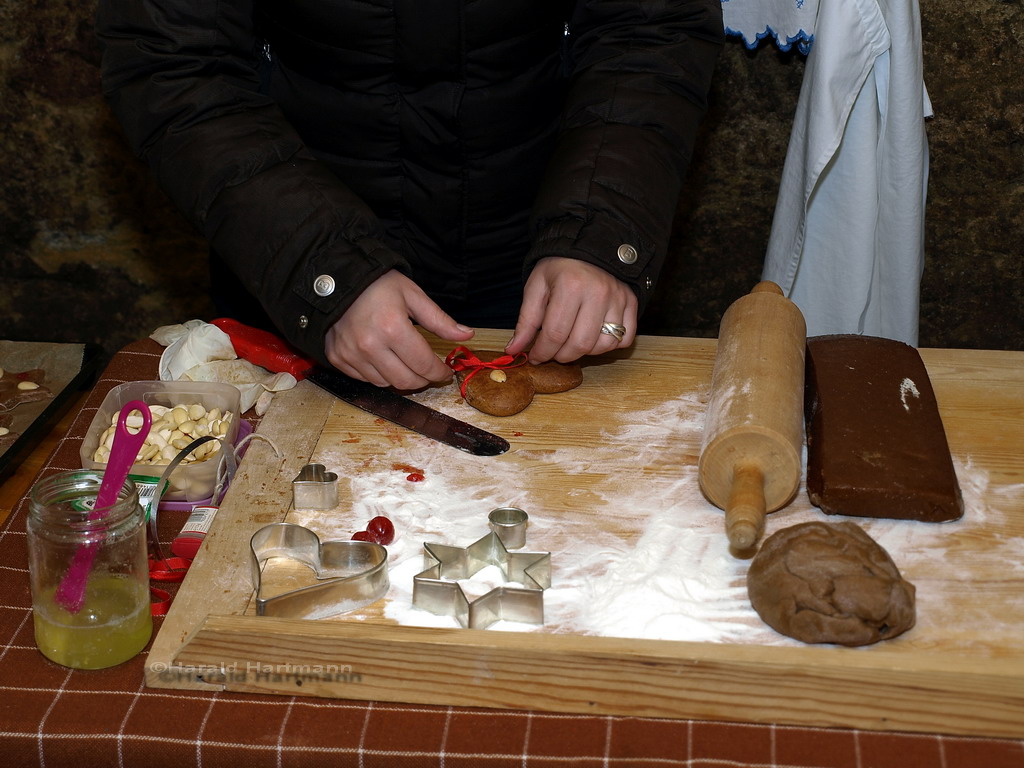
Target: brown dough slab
829	583
11	396
507	391
875	442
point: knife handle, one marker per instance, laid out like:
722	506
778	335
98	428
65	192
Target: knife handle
264	348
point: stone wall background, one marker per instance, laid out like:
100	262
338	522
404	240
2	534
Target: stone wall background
91	250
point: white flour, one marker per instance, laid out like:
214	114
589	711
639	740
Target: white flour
668	576
908	389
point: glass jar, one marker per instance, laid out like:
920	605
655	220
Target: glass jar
115	621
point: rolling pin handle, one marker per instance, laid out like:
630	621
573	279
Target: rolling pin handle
767	286
744	516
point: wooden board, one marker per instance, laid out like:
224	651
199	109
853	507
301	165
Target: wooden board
596	468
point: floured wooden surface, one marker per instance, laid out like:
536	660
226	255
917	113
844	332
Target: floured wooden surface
607	473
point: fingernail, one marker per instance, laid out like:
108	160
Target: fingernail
509	342
463	328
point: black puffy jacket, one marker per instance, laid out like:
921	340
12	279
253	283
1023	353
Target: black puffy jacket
456	141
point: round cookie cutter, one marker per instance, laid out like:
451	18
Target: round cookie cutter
510	525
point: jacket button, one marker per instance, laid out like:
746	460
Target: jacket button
323	285
627	254
303	321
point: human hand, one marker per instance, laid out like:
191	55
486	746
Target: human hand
565	303
375	339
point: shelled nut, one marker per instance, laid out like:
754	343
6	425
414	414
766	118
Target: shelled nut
172	429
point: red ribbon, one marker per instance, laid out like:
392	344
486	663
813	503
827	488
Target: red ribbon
461	359
172	570
161	604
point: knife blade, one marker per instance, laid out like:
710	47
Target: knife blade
267	350
408	413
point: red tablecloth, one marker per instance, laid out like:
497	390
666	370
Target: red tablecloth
54	716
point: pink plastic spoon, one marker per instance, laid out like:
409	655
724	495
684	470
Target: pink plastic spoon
71	590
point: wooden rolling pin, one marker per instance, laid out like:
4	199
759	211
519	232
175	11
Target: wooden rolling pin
750	460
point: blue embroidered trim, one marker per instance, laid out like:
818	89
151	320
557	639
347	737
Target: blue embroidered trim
802	39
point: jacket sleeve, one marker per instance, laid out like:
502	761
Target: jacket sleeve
638	87
182	78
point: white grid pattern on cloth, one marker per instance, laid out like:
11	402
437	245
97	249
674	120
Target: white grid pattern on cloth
608	739
202	727
526	739
42	721
599	757
281	730
124	721
444	737
362	734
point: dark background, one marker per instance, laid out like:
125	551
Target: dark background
91	250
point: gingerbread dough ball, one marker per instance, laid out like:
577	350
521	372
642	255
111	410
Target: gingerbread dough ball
829	583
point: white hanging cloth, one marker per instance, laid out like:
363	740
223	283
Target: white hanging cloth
788	22
847	240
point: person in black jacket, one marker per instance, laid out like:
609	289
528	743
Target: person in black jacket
362	167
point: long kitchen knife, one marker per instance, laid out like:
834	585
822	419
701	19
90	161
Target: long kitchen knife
408	413
267	350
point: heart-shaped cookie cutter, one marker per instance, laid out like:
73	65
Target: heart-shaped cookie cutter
351	574
315	488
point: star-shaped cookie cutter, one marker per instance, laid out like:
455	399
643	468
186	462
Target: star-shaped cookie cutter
437	590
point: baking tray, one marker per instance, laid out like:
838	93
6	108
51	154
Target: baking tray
70	369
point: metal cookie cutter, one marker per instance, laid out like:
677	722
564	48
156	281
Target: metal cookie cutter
436	591
315	488
510	525
352	574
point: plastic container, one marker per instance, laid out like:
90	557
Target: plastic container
189	482
115	622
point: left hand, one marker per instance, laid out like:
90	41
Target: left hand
565	302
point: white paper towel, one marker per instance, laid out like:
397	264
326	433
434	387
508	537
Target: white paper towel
198	351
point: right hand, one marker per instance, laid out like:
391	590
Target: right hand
376	341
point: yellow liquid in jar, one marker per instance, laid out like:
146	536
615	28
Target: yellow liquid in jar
114	624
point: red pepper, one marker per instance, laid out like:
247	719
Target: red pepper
264	348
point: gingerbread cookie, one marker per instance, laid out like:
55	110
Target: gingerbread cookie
502	385
24	387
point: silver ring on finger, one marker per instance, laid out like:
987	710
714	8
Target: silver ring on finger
614	329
